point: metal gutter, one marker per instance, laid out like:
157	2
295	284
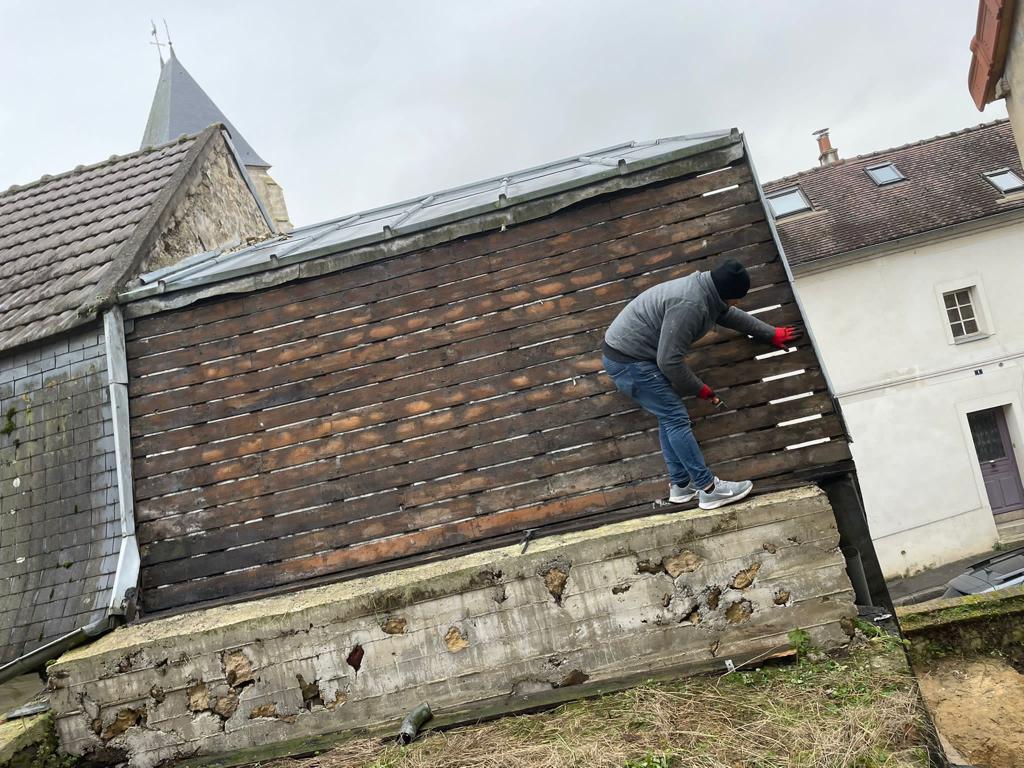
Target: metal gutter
126	576
34	660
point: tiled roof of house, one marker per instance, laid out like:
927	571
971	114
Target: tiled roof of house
60	236
944	185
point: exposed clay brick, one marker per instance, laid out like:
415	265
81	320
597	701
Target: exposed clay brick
685	562
455	640
393	625
237	668
746	577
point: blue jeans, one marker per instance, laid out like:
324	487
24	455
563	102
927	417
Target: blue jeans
646	384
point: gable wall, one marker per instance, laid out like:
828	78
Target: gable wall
217	210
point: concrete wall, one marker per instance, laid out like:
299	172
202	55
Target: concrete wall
689	591
906	387
1013	77
59	531
218	209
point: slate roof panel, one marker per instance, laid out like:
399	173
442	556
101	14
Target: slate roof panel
59	237
944	185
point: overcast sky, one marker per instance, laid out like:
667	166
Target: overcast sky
357	104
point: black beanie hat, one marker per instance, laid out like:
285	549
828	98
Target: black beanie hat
731	280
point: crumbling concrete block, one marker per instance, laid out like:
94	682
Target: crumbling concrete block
688	591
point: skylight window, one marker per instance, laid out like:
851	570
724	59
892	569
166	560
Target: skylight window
1005	180
885	173
787	202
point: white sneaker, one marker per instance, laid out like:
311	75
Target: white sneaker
725	492
680	494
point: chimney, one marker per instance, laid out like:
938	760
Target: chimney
826	152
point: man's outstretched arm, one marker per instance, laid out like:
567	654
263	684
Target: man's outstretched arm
747	324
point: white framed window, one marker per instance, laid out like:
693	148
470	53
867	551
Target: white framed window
1005	180
787	202
961	314
884	173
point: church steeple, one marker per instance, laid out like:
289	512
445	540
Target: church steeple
181	106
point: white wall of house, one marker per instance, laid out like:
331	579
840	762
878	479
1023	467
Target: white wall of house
906	387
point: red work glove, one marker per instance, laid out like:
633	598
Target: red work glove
706	393
786	335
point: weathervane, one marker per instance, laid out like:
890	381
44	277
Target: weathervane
158	44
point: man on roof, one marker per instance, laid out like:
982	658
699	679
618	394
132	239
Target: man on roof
644	353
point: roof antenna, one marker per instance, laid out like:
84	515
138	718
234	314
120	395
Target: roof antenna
156	41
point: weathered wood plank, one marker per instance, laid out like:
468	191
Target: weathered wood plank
399	521
280	480
316	428
292	403
513	306
459	278
481	527
345	369
465	297
164	524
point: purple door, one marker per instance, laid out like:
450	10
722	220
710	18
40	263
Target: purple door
998	465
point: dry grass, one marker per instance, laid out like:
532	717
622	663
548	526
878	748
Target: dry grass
858	711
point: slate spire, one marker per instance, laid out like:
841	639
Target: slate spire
180	106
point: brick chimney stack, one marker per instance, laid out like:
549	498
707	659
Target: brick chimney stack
826	152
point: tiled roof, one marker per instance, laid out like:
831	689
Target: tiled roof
944	185
59	237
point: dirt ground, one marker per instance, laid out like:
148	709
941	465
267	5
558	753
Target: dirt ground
978	707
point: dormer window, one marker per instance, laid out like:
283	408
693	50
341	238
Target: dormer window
787	202
884	173
1005	180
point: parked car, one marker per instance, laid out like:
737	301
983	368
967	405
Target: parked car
1002	570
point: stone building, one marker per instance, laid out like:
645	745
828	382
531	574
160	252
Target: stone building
69	243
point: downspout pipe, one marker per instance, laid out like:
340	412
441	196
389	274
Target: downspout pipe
126	576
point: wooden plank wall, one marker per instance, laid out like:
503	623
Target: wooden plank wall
448	396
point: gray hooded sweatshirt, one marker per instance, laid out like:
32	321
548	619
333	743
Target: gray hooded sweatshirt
663	322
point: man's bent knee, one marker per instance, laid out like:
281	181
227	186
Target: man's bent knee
676	419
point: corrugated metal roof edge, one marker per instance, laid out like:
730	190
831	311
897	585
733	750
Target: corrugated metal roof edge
715	141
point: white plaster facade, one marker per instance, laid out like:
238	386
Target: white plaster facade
906	387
